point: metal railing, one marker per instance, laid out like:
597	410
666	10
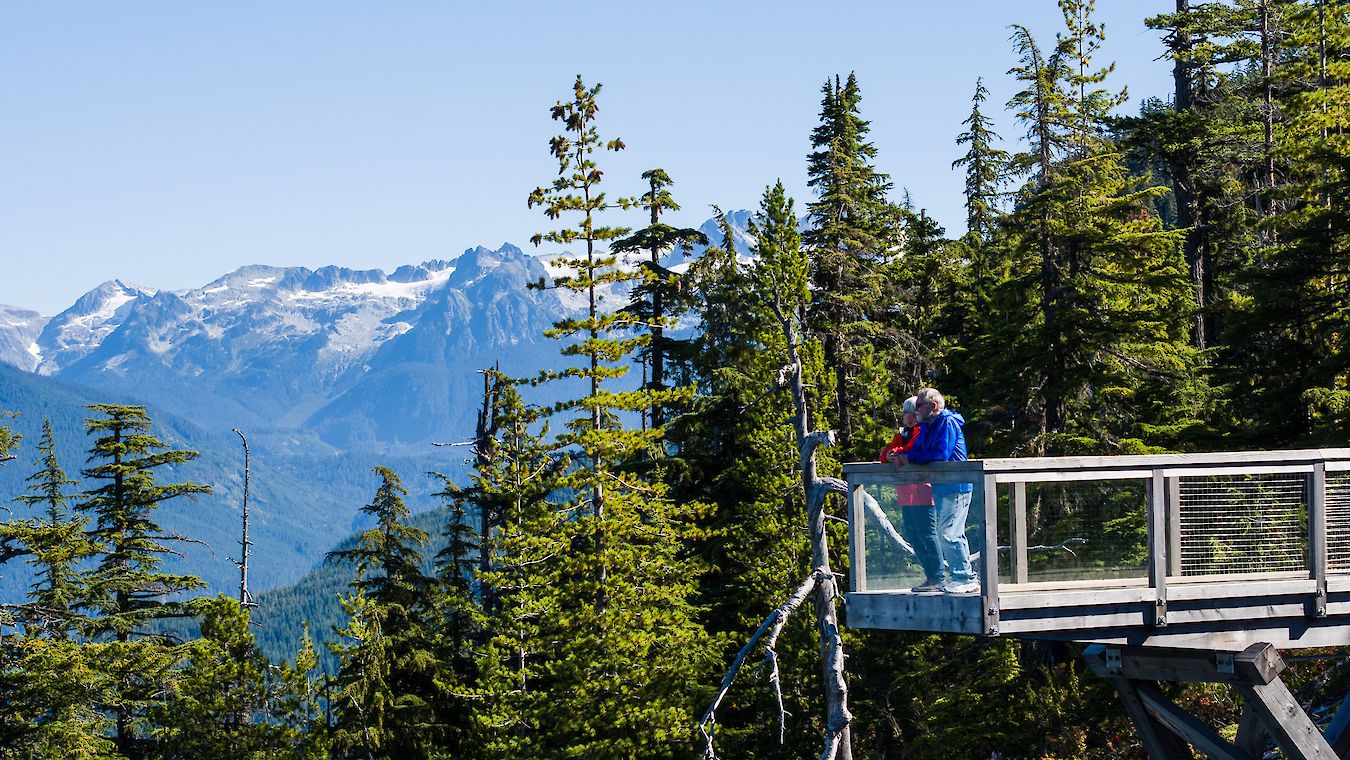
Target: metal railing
1060	523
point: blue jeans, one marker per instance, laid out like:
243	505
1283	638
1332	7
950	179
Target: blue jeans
952	508
920	527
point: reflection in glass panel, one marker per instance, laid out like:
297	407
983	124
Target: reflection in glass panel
1086	530
891	566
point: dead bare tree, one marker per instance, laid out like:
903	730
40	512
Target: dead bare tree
245	598
821	583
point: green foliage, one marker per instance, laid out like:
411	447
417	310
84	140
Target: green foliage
620	641
55	541
387	685
228	700
126	589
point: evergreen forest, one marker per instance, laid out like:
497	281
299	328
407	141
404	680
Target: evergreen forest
1171	278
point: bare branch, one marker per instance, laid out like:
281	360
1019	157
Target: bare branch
776	619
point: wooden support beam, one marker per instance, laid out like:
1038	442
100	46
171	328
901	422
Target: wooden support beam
1158	741
1291	728
1017	531
1187	726
1258	664
1251	732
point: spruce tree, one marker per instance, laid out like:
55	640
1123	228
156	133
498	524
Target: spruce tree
458	615
55	540
126	589
516	479
852	230
985	168
629	642
387	681
229	701
655	301
1090	297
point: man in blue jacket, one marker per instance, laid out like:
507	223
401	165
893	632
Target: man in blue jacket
941	440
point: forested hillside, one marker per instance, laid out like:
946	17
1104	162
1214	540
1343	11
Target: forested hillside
1166	276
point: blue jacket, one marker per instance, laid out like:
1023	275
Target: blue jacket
942	440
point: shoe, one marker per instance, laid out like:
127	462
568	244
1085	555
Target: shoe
961	587
929	586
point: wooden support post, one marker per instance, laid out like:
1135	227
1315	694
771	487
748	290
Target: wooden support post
1157	548
857	539
1187	726
1173	510
1317	537
1160	743
986	490
1291	728
1251	732
1017	531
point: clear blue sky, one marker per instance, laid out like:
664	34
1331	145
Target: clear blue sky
166	143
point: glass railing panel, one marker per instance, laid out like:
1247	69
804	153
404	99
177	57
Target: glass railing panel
889	566
1236	524
1086	530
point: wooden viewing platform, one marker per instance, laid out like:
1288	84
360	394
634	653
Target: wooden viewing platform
1213	551
1177	567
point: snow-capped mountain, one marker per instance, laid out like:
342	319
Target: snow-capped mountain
294	350
19	329
332	357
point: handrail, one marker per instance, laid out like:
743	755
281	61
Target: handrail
1161	474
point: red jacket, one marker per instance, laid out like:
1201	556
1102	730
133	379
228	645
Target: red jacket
908	494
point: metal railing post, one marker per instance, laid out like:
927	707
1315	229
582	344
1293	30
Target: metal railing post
1157	547
987	488
1317	536
857	540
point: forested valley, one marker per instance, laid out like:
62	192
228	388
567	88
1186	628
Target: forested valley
1173	279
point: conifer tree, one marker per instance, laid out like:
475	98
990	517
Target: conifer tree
1300	315
229	701
516	479
53	694
387	678
1090	298
126	590
655	300
9	440
852	230
458	615
55	540
985	168
628	637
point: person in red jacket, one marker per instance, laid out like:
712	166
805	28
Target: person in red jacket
917	512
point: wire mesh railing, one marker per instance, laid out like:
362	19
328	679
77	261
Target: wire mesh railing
1338	522
1236	524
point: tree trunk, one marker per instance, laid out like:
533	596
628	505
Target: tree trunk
1188	203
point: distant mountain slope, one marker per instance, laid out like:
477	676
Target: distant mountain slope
299	504
329	372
